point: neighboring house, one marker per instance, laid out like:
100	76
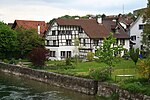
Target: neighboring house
40	26
61	36
114	25
135	32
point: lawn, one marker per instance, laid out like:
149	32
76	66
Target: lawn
83	68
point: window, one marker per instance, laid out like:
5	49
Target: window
133	38
62	54
52	54
68	54
80	30
53	32
141	47
122	42
65	54
68	42
68	32
54	42
84	42
149	37
141	27
47	42
96	42
80	40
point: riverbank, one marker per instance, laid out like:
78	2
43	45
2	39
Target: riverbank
87	86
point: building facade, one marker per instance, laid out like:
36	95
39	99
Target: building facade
70	37
135	32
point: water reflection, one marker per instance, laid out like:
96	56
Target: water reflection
20	88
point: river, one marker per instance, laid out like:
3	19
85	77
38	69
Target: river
13	87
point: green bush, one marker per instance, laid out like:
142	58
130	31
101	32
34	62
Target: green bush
101	74
90	56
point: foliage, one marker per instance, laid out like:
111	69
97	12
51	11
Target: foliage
144	68
106	52
68	61
90	56
146	31
132	87
126	56
28	39
100	74
140	85
38	56
8	42
134	54
13	61
5	61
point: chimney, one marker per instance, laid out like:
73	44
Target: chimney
77	18
38	29
99	20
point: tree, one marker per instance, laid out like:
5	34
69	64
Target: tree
8	42
38	56
134	54
106	51
146	31
28	39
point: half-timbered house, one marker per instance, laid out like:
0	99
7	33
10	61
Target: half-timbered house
62	35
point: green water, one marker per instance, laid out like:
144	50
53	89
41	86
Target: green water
14	87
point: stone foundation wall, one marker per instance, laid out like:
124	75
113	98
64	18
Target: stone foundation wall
82	85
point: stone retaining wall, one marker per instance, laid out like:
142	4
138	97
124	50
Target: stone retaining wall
82	85
106	90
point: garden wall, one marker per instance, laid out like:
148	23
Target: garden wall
83	85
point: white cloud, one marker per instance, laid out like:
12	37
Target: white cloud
48	9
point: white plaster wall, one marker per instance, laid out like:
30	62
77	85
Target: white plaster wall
62	48
134	30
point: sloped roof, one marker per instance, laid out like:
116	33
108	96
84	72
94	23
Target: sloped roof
28	24
90	26
110	24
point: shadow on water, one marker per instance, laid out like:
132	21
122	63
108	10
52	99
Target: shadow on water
14	87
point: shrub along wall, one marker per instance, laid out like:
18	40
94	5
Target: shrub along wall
83	85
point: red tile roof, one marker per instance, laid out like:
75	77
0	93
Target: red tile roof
90	26
28	24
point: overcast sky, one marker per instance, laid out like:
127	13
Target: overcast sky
47	9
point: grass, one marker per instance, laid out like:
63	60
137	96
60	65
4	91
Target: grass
83	68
